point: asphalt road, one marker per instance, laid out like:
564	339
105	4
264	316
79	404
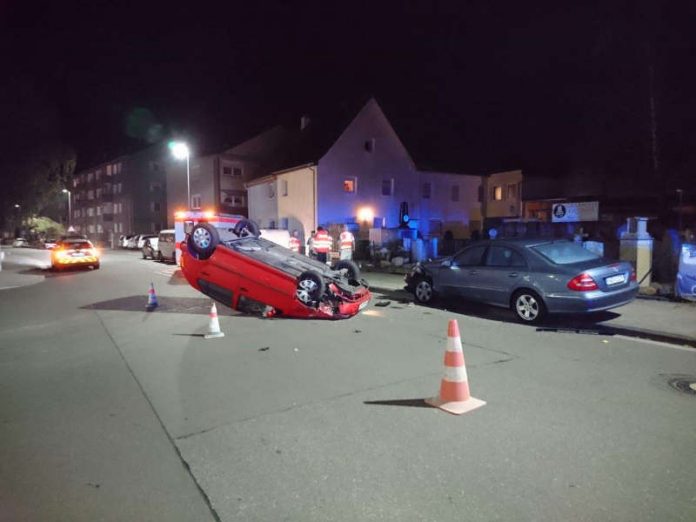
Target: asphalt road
109	412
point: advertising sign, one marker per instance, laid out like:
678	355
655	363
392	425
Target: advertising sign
575	212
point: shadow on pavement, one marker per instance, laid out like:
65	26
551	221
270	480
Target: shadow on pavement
412	403
49	272
176	305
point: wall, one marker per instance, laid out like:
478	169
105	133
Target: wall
299	204
262	206
461	217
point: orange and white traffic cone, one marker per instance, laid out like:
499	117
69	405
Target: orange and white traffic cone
214	325
454	387
151	299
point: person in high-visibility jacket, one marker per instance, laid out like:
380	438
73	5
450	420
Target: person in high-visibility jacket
346	244
322	244
294	242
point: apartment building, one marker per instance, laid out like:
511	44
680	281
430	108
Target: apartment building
126	195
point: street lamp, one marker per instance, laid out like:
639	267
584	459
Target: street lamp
66	191
181	151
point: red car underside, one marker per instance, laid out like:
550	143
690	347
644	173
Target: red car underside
228	275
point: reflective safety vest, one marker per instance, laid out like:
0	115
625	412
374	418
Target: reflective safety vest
294	244
322	242
346	240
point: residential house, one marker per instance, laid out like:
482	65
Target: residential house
126	195
358	171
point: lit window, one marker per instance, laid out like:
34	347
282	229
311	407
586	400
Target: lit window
350	184
99	211
196	201
497	193
108	170
426	190
454	195
100	228
388	187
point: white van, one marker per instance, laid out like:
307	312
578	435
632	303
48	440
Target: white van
166	246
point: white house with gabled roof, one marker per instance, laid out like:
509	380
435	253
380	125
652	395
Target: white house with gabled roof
358	171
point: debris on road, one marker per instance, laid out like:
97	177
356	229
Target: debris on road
382	303
264	349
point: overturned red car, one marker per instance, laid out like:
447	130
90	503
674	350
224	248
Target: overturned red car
236	265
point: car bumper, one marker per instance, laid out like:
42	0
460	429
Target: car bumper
72	261
587	302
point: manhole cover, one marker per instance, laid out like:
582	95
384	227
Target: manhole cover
684	385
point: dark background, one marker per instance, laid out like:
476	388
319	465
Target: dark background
545	86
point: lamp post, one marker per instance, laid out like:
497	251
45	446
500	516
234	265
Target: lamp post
66	191
181	151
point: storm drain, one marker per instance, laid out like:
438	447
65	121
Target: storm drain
684	384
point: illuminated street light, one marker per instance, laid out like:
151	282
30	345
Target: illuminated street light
180	151
66	191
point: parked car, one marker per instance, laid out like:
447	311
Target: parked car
20	242
50	243
150	247
74	253
123	240
260	270
142	238
167	245
532	277
132	242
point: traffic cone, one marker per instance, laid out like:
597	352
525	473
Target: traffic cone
454	387
151	298
214	325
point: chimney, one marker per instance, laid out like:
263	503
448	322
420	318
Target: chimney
304	122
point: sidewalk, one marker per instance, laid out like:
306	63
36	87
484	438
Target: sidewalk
668	321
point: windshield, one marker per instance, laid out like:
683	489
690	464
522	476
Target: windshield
565	252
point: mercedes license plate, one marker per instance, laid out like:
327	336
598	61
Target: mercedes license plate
616	279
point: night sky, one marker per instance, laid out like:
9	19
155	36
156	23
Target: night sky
546	86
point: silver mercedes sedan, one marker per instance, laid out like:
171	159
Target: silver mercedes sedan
531	277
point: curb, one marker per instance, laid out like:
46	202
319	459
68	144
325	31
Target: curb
648	334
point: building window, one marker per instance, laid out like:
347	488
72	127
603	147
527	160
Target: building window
230	170
283	187
497	193
97	175
118	187
369	145
388	187
196	201
454	194
155	186
90	177
350	184
426	190
154	166
90	228
284	223
238	201
100	228
98	192
99	210
117	168
155	207
75	182
512	191
90	194
108	170
271	190
76	213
